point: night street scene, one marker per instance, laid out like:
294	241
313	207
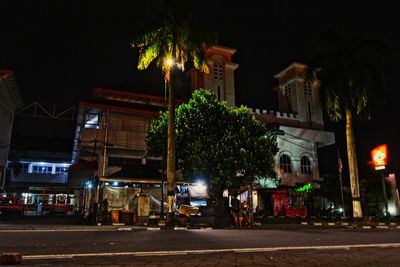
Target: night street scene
199	133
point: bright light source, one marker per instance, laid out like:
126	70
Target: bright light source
379	156
225	193
392	209
169	62
340	209
199	182
115	183
89	185
107	183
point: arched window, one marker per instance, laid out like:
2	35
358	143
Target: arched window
285	164
305	165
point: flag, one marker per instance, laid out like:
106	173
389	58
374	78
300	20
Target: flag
340	165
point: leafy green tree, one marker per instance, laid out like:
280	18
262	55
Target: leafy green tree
171	41
350	75
225	146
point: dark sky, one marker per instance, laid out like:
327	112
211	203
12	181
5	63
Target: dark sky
59	50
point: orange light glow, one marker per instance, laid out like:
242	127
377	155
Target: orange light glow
379	156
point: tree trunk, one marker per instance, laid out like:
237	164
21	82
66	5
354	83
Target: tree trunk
171	151
353	170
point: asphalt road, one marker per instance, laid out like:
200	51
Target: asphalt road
205	247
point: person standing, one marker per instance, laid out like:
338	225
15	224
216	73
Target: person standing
245	213
235	210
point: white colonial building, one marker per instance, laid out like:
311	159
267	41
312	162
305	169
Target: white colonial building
301	120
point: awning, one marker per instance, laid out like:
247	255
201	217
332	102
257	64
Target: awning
83	165
135	174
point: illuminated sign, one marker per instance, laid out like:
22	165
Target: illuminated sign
305	188
379	157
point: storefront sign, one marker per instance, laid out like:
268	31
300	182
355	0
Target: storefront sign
305	188
379	157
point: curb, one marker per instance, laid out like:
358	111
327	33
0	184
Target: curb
354	226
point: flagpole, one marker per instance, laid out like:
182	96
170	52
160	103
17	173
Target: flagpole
340	166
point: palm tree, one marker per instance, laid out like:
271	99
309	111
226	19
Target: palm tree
171	42
350	76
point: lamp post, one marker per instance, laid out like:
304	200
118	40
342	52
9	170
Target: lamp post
170	222
340	168
162	159
379	161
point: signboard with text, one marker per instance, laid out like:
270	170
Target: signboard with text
379	157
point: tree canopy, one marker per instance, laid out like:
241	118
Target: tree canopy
350	68
170	40
350	76
222	145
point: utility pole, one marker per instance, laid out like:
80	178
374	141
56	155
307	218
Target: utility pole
92	189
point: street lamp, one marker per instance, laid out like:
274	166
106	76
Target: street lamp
169	67
162	159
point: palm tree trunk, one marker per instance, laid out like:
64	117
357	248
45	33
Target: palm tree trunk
171	152
353	169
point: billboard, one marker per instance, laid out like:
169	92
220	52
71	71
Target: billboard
379	157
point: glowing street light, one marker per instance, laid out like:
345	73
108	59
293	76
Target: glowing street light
169	62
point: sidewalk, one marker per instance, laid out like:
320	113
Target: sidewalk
74	223
327	222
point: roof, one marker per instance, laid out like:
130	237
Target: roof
136	172
5	72
83	165
131	97
294	64
118	108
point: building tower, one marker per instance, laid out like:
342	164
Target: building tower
296	95
221	78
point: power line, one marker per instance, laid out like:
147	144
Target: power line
296	143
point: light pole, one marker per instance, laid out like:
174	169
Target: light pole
379	161
171	145
162	159
386	212
340	168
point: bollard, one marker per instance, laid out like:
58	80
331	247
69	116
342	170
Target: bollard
10	258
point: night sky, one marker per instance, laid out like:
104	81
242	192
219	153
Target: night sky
59	50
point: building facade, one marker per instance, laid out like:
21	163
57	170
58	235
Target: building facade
301	121
221	78
110	148
40	156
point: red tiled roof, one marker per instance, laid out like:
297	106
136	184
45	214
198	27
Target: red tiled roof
4	72
131	97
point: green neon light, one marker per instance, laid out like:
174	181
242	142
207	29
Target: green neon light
305	188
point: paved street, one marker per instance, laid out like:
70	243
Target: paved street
342	257
112	246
